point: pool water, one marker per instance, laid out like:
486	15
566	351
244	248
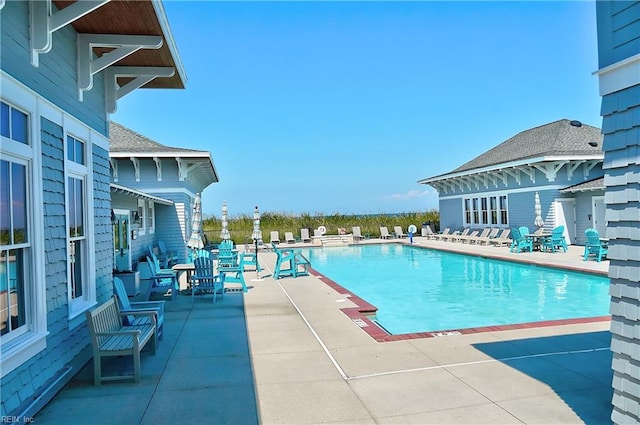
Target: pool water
420	290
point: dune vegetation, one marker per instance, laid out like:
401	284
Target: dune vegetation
241	226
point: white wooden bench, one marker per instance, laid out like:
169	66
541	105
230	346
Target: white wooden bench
110	338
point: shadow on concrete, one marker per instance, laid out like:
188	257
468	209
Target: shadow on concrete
201	373
576	366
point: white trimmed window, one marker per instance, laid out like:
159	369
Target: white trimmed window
151	217
78	207
142	217
22	310
485	210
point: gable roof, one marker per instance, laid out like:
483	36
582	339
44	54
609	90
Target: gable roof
125	143
563	138
125	140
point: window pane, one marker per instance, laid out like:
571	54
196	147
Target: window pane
71	202
79	208
75	261
70	148
4	120
79	155
19	126
12	288
5	201
75	206
19	202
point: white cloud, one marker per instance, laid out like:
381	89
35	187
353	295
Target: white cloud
412	194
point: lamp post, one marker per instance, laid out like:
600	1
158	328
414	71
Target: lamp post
256	236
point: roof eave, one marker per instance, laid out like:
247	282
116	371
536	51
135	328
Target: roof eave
513	164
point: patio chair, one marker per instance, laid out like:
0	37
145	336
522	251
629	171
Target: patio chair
503	238
126	306
519	242
160	280
445	233
357	234
296	262
428	232
485	239
384	233
595	246
555	241
458	236
399	232
203	280
484	235
304	235
227	255
288	237
275	237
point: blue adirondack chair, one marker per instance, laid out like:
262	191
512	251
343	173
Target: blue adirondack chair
555	241
595	246
226	255
289	263
203	280
519	241
127	306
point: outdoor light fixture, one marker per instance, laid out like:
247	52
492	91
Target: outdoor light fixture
594	144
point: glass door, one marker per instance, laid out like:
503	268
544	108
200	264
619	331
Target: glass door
121	241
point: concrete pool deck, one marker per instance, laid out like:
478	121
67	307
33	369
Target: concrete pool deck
285	353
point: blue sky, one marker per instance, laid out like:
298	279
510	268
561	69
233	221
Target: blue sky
340	107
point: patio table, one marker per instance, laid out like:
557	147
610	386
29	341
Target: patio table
189	268
537	239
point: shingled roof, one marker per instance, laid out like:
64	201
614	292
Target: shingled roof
563	138
123	139
595	184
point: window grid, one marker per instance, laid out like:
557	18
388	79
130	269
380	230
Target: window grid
487	210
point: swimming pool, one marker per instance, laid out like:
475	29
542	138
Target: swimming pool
418	290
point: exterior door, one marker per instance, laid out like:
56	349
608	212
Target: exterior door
121	241
599	222
566	216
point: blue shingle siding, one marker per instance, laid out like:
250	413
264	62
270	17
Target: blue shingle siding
103	230
622	165
618	29
56	77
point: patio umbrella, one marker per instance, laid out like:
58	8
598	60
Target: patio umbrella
257	233
539	222
195	242
224	234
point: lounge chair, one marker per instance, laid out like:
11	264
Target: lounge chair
458	236
484	234
595	246
304	235
503	238
125	306
429	233
203	280
399	232
466	237
275	237
555	241
519	241
493	233
357	234
384	233
288	237
445	233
